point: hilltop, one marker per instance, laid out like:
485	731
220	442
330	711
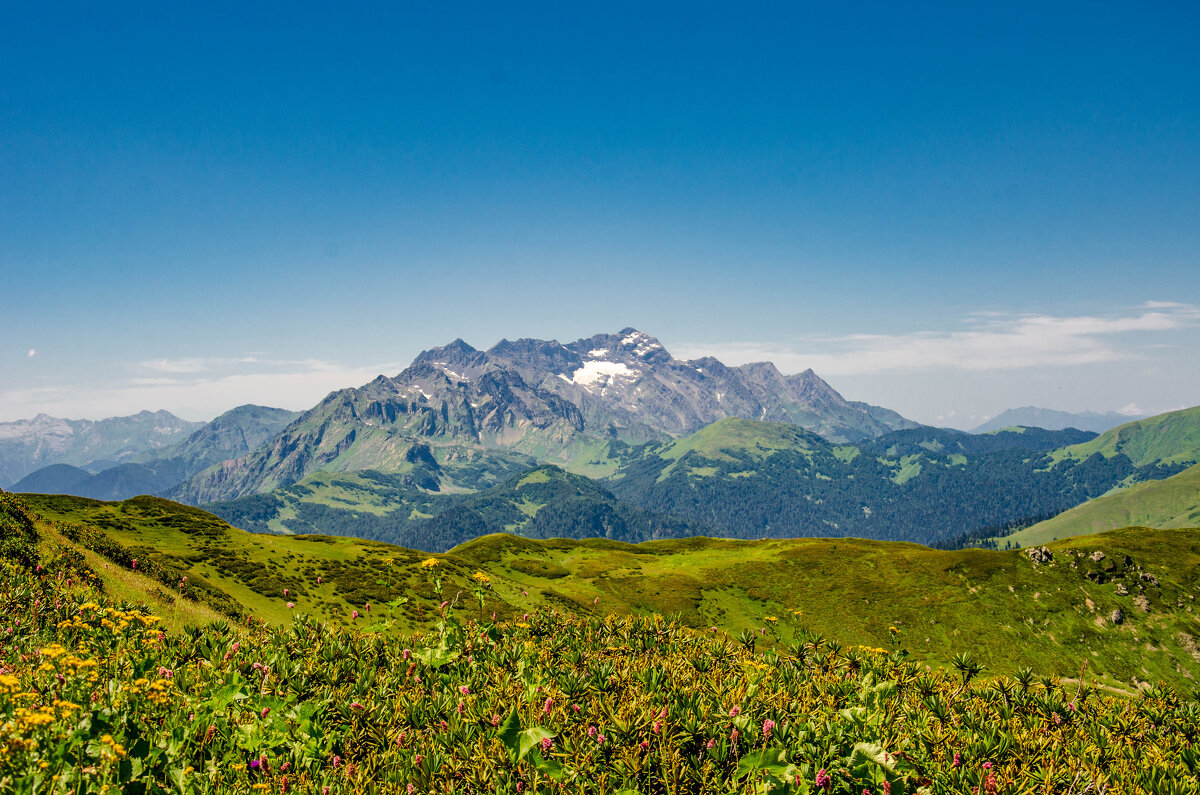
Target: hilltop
1171	438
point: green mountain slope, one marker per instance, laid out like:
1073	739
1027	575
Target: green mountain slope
734	478
1053	615
1172	438
750	479
541	503
1174	502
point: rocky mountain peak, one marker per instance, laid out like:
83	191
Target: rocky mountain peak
458	360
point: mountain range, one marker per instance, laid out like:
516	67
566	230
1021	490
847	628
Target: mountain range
612	436
28	445
158	469
484	416
1051	420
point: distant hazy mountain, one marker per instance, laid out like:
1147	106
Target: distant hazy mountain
28	445
234	433
53	479
1051	420
483	416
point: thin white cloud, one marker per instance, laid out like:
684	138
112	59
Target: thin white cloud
32	353
992	341
199	364
194	394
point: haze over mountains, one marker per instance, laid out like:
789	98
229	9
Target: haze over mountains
612	436
151	468
1051	420
27	445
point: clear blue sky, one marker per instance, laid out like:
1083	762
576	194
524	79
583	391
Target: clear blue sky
944	208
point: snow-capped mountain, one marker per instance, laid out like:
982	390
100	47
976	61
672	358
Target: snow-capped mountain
489	413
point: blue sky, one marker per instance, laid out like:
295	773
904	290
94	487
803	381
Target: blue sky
945	209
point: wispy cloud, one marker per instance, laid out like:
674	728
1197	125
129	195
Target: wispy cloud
991	341
196	364
194	388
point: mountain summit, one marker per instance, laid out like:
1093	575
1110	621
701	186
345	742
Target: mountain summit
628	384
488	414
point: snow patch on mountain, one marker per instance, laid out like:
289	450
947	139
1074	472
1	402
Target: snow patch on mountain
594	371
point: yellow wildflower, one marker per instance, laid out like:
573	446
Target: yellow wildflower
429	563
481	578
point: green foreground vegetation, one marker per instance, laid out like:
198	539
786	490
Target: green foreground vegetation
1010	611
97	694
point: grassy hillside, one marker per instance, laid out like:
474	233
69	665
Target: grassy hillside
1170	503
98	696
1052	618
1172	438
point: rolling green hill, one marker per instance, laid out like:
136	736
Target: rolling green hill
1171	438
1052	616
1170	503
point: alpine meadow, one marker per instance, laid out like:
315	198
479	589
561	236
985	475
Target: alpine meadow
644	399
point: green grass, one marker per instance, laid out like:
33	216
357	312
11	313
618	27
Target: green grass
1011	613
1170	503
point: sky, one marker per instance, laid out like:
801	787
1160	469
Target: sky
943	208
